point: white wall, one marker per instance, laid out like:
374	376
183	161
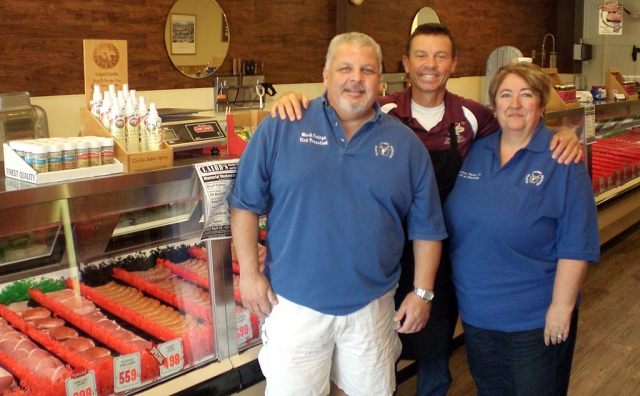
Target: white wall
610	51
63	112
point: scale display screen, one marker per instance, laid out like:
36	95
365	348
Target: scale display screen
192	133
169	135
205	130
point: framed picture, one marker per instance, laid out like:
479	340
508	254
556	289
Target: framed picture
183	34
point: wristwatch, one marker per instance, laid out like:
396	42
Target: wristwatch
426	295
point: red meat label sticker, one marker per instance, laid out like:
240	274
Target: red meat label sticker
203	128
157	354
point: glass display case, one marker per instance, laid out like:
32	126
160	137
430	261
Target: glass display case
610	132
107	287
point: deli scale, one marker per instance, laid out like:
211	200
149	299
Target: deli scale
186	129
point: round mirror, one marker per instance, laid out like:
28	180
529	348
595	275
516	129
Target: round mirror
425	15
197	37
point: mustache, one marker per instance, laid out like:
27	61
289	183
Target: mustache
354	88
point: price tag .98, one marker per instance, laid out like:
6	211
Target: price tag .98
173	357
81	385
244	330
126	372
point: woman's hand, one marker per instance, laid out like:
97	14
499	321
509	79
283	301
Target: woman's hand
288	105
569	277
558	322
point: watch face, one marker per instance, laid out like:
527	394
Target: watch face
426	295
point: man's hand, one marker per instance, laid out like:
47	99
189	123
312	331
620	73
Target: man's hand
565	146
415	313
256	292
288	105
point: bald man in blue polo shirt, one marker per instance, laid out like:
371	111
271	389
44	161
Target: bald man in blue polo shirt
336	187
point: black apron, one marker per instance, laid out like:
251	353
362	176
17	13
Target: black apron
434	342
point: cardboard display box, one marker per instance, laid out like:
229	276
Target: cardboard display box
132	162
16	168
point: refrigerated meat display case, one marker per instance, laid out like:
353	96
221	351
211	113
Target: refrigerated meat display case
610	134
106	286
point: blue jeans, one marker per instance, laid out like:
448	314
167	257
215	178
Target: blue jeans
434	377
519	363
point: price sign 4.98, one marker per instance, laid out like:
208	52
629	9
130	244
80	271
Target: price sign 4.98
81	384
173	357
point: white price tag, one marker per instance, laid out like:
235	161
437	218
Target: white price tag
244	331
126	372
83	384
173	357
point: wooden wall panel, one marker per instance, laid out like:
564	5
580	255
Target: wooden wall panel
41	40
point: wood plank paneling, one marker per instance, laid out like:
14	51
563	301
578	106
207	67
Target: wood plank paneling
41	46
606	359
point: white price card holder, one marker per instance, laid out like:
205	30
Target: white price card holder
173	357
244	331
126	372
81	384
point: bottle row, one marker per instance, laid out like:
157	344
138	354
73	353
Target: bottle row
126	117
56	154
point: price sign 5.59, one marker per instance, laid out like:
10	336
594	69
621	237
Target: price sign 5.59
126	372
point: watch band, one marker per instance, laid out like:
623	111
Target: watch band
426	295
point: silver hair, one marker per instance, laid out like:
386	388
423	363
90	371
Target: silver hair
360	40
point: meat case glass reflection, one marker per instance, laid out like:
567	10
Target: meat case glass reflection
106	286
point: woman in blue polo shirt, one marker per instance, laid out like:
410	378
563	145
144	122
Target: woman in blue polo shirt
523	229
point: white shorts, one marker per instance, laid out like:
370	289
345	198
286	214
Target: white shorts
302	349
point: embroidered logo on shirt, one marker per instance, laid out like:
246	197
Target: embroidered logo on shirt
459	127
460	131
310	137
469	175
384	149
535	177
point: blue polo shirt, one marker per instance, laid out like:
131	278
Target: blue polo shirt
335	207
508	227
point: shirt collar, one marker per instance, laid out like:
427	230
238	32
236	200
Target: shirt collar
404	103
329	110
539	142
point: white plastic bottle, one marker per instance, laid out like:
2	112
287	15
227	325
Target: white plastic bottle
131	124
154	128
143	115
55	157
134	98
112	92
96	103
40	157
95	152
105	110
117	125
